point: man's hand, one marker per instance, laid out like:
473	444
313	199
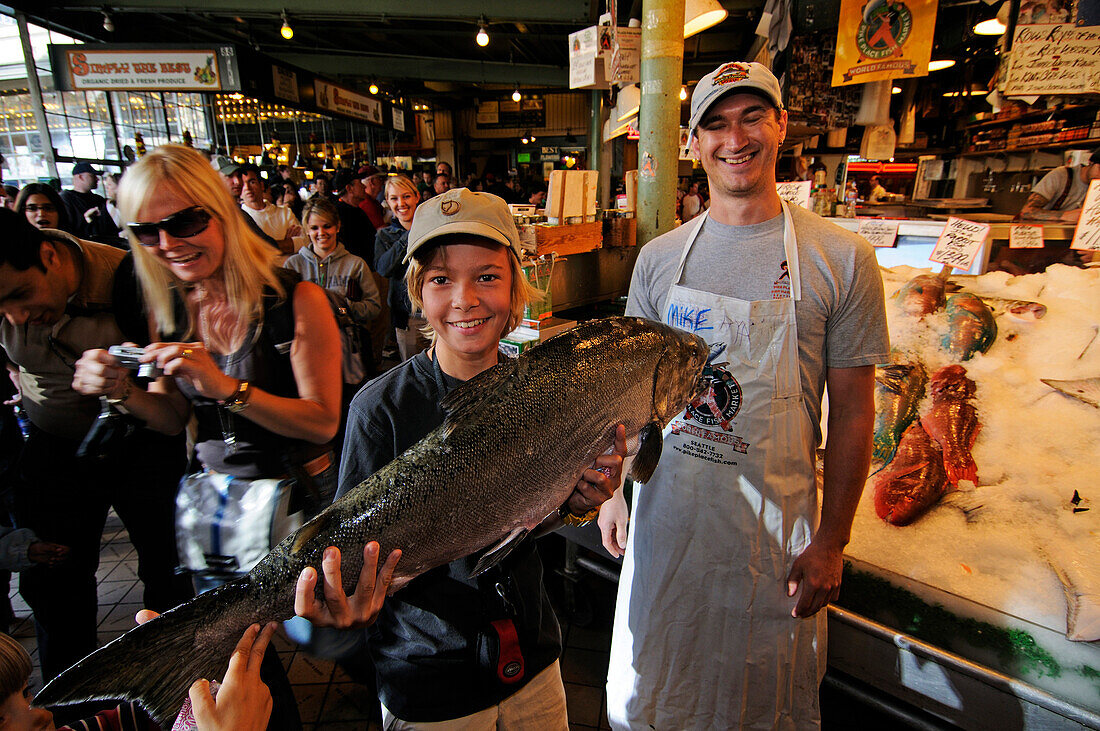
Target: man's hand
599	482
47	554
338	610
243	702
90	214
614	515
815	576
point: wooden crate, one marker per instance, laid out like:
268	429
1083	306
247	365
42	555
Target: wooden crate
619	232
575	238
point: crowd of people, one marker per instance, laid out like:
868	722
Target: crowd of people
256	326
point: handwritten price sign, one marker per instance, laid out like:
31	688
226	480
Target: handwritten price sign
1087	235
797	192
960	243
881	234
1025	237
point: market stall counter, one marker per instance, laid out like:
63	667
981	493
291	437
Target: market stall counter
972	587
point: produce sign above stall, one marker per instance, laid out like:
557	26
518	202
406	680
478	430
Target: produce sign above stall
1059	58
883	39
145	68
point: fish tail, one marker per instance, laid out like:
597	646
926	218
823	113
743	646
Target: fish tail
961	470
155	663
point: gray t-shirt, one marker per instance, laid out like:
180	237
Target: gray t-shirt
841	318
1054	182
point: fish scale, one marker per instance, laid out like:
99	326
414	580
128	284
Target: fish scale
515	440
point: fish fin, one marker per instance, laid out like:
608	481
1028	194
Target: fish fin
650	443
496	553
470	397
308	532
156	662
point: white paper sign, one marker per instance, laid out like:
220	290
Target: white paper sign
1054	59
880	233
960	243
399	119
352	104
1087	235
797	192
1025	236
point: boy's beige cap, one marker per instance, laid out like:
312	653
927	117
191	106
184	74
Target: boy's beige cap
462	211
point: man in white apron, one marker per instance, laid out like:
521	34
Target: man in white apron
717	624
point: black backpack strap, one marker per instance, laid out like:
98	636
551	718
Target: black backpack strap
1065	191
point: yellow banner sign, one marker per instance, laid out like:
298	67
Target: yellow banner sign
883	39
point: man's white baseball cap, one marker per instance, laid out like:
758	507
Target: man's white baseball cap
736	77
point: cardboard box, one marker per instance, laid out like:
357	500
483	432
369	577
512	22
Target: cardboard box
519	340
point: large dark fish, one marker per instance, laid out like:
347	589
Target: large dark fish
953	421
970	326
913	482
514	443
899	388
921	295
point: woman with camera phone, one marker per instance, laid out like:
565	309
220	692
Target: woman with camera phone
249	348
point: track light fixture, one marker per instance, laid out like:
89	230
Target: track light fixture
108	21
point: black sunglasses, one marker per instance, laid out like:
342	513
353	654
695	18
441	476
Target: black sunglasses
180	225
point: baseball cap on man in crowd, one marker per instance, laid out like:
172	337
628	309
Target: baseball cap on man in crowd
463	211
733	78
225	165
85	167
368	171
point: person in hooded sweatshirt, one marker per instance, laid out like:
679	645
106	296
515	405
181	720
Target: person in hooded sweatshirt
349	283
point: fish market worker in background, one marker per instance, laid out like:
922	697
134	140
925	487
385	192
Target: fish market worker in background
1061	193
448	648
717	619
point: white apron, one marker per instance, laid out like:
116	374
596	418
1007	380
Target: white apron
704	637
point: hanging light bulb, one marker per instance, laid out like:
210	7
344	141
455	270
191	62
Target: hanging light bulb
683	93
530	136
482	36
516	96
523	139
286	31
108	22
373	89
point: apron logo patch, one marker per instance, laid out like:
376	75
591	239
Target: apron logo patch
719	402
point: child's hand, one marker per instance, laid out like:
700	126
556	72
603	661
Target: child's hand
337	610
599	482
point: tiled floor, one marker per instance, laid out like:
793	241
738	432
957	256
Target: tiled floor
327	698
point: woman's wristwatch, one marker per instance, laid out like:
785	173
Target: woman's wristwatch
238	401
578	520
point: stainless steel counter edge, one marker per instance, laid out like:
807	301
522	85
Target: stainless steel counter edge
883	667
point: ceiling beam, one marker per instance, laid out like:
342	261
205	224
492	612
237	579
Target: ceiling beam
495	11
427	68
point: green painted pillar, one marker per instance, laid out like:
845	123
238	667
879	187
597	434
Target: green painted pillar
595	137
659	116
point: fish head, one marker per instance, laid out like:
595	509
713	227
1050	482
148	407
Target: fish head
951	382
921	295
677	379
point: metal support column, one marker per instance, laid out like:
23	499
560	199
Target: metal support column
36	96
595	141
659	116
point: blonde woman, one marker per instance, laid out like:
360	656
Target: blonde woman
266	398
390	243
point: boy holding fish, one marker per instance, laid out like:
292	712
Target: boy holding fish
469	652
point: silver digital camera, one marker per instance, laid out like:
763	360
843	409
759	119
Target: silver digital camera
129	357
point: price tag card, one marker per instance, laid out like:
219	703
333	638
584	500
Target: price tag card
797	192
881	233
959	244
1087	235
1025	236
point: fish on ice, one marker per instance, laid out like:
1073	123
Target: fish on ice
953	421
514	442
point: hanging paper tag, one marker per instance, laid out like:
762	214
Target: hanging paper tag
959	244
880	233
1025	236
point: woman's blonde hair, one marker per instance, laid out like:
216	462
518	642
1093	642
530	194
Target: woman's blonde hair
249	264
321	206
523	292
15	667
401	182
